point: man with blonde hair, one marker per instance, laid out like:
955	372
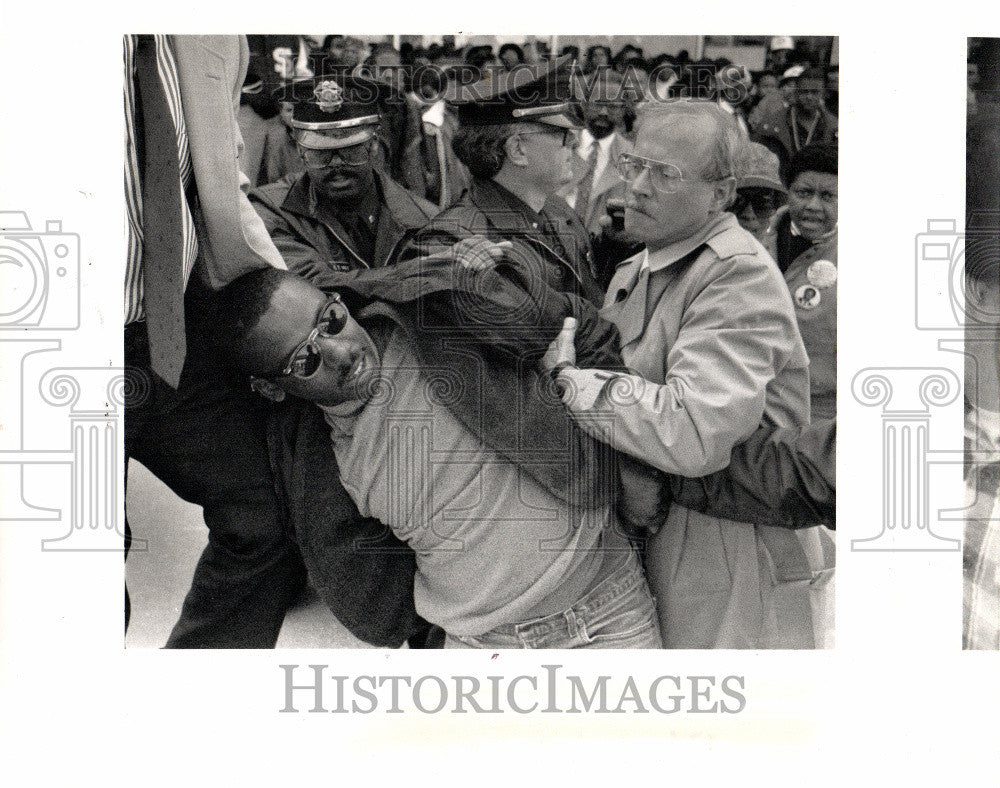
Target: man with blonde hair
708	326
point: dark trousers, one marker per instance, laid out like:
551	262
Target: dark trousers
207	442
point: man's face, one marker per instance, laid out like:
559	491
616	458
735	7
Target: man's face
658	218
349	362
341	174
603	111
812	203
809	94
972	74
549	151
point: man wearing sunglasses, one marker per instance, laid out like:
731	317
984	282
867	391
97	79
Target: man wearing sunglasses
517	131
708	325
343	212
504	556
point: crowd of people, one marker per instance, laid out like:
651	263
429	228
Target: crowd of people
493	350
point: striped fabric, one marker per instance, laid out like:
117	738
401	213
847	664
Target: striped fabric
981	547
167	69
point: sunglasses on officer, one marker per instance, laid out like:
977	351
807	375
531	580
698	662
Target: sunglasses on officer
352	155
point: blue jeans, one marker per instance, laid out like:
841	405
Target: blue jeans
618	612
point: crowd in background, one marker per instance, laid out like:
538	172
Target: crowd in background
675	217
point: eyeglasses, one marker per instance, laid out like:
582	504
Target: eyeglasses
665	178
351	155
570	137
306	359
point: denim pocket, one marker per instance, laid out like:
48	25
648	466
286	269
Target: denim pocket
627	622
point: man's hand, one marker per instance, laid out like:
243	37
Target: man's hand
476	253
562	350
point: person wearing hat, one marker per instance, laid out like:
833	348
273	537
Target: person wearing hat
804	121
779	99
759	193
516	135
343	212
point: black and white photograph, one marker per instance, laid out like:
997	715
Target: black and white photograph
467	387
981	549
550	361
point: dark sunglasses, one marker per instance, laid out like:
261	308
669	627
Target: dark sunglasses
763	203
306	359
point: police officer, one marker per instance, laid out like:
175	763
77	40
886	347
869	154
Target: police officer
516	135
343	212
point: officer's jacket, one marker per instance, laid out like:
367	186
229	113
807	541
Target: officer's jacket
489	210
320	249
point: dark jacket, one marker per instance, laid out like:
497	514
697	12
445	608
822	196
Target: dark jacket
485	333
490	210
319	248
779	476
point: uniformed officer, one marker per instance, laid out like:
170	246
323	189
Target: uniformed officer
516	135
343	212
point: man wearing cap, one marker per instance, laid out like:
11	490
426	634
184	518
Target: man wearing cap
805	121
342	213
708	326
516	135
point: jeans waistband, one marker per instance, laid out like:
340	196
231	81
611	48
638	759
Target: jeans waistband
620	581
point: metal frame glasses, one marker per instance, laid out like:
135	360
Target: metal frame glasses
352	155
306	359
665	178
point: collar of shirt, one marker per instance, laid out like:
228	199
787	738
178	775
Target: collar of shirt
587	139
826	237
721	233
434	114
